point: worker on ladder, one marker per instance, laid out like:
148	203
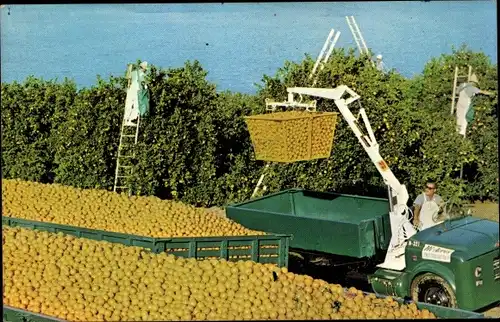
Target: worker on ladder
466	92
136	106
380	64
137	94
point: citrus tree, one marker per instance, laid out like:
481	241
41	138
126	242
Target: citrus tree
29	112
194	145
87	139
433	90
418	144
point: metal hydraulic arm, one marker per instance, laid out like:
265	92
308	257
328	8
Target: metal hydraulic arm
401	228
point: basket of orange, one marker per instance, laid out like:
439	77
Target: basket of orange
292	136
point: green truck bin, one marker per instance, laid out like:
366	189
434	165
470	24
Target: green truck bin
11	314
441	311
340	224
262	249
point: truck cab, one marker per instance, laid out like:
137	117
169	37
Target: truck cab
453	264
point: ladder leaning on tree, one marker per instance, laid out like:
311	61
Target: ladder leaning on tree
360	42
458	78
323	58
456	94
358	37
126	152
136	105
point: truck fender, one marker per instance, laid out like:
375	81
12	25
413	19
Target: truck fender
434	268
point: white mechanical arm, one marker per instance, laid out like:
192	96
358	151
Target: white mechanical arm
400	226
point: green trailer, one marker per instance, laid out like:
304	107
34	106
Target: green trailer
454	264
11	314
262	249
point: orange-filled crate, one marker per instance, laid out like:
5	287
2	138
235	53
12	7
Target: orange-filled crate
292	136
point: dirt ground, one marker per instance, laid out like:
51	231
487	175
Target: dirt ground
218	211
487	210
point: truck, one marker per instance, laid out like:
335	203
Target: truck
454	264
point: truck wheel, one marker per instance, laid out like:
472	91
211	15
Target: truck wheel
432	289
297	263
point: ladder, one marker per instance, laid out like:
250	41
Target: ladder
322	57
358	37
455	95
126	152
356	33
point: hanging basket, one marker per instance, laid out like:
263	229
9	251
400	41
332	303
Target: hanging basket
292	136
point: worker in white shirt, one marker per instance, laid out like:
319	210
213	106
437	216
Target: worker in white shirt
427	206
380	64
135	84
466	92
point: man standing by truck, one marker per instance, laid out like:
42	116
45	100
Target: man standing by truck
426	207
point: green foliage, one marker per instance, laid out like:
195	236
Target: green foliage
29	111
482	175
416	143
177	143
434	90
235	175
85	152
194	145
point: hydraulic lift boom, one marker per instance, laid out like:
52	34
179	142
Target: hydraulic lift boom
401	227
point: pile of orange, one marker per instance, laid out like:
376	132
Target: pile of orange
84	280
105	210
292	136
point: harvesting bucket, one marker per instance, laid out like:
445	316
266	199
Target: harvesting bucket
292	136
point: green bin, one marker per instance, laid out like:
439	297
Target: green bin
332	223
262	249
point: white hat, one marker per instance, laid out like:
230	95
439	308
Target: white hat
144	65
379	56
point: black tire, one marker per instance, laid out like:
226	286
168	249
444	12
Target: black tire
433	289
297	263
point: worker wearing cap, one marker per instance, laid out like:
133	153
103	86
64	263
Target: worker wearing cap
142	71
466	92
380	64
135	85
427	206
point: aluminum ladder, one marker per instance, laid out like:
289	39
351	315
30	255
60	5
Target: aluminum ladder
455	95
322	57
126	152
358	37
